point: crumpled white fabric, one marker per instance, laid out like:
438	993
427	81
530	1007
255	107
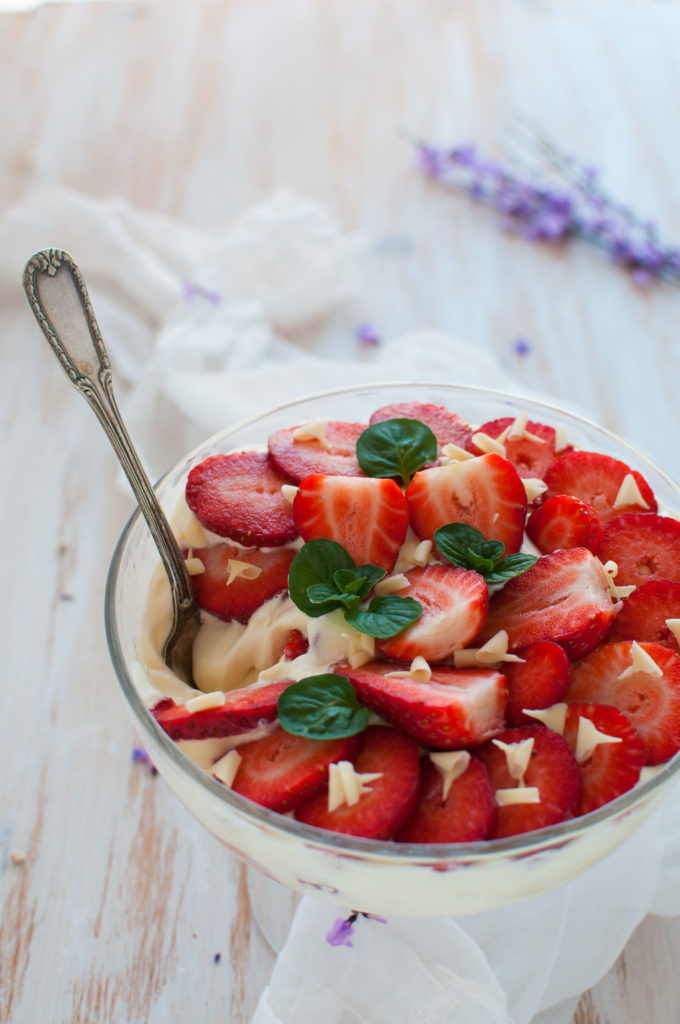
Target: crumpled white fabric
203	327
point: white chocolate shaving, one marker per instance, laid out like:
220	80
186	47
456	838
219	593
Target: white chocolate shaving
674	626
561	438
611	569
194	566
450	764
488	444
525	795
641	662
241	570
493	651
421	555
517	756
518	428
588	737
453	453
289	491
346	786
315	431
554	717
391	584
629	493
205	701
225	769
534	486
419	671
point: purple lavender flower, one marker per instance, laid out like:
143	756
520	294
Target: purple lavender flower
521	347
367	334
140	754
341	931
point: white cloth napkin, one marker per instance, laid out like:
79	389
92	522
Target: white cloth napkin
205	328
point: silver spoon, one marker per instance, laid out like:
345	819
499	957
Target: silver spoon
58	297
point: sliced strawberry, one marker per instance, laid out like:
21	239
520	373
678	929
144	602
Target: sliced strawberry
367	515
564	522
382	810
298	459
239	496
281	770
596	479
484	492
644	614
447	427
454	604
295	645
538	681
241	711
564	597
530	456
466	814
240	598
611	768
644	546
456	708
650	702
552	769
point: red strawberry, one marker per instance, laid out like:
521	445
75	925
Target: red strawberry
468	813
564	522
538	681
595	479
457	708
552	769
454	603
485	492
389	803
530	457
239	496
650	702
644	546
611	768
298	459
281	770
367	515
240	598
296	644
447	427
564	597
644	614
241	711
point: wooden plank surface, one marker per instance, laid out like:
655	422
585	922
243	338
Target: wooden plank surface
198	110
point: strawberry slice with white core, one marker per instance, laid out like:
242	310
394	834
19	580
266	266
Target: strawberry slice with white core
446	426
209	716
646	613
460	813
540	680
454	603
552	770
609	752
457	708
484	492
529	446
644	546
563	597
564	522
237	581
367	515
281	770
333	452
388	802
601	481
643	682
239	496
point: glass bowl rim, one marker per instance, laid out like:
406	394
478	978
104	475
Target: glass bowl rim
522	844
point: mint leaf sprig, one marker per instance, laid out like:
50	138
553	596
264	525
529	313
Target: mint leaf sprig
468	548
323	576
396	448
323	707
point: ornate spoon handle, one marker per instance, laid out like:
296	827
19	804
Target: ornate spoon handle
58	297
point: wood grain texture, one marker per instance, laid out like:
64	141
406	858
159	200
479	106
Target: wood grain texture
198	110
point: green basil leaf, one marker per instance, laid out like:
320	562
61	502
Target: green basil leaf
482	565
511	566
396	448
358	581
386	616
455	540
316	563
323	707
321	593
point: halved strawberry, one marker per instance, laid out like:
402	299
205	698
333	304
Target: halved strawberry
457	708
240	598
241	711
564	597
281	770
367	515
552	769
644	546
239	496
596	478
388	804
466	814
295	645
530	457
644	614
454	604
564	522
541	679
611	768
298	459
447	427
484	492
651	702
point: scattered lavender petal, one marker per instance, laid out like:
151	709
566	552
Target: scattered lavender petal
367	334
140	754
521	347
217	957
341	932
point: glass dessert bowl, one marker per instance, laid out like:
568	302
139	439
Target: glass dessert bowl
376	876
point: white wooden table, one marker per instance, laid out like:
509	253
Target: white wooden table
197	110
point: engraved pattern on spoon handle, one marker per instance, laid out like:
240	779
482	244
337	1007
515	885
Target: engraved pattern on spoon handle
58	297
